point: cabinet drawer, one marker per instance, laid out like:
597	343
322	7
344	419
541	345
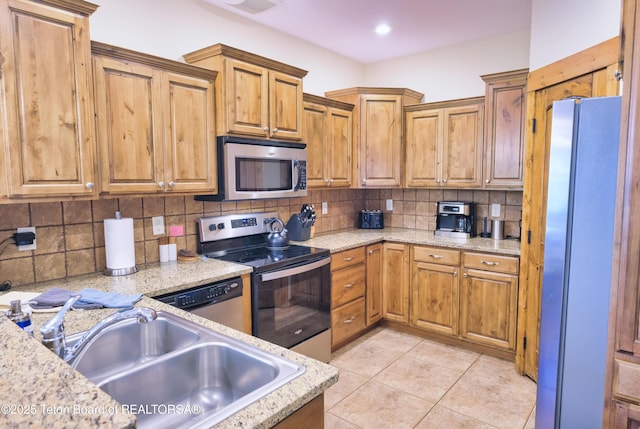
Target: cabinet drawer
347	284
495	263
436	255
346	258
347	320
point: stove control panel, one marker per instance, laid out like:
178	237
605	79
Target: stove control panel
204	295
216	228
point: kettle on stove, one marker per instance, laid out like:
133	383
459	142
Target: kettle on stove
277	239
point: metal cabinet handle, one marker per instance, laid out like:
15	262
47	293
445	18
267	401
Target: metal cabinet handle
444	180
275	130
491	264
465	275
436	256
350	320
161	184
487	181
370	252
455	273
364	181
348	285
265	129
89	185
172	184
348	259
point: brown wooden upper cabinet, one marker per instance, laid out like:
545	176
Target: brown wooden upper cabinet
155	123
46	125
505	104
444	144
328	131
256	96
378	133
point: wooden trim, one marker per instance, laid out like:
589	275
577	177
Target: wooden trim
246	304
237	54
98	48
362	90
508	75
310	416
461	102
328	102
76	6
596	57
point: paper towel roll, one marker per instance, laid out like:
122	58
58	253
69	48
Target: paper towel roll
119	244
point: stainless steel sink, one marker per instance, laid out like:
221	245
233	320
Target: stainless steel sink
129	344
175	373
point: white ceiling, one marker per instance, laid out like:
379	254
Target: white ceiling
347	26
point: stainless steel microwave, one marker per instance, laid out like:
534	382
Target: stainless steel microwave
250	169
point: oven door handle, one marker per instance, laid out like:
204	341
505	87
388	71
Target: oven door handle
293	271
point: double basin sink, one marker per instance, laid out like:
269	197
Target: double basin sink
175	373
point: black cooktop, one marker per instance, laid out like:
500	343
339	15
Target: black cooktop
263	259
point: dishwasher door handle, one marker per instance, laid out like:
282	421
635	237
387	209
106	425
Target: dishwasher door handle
296	270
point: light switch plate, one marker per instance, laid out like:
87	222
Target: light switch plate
27	246
390	205
158	225
325	207
495	210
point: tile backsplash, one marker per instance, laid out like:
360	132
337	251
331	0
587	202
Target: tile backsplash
70	234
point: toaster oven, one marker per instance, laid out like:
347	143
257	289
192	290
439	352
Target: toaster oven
370	219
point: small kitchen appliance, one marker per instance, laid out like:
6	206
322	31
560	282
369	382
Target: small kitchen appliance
456	219
371	219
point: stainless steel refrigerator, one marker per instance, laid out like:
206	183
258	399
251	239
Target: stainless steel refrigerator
583	163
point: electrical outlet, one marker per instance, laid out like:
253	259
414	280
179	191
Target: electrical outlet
158	225
389	205
325	207
495	210
27	246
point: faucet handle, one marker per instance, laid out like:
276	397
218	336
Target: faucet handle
52	332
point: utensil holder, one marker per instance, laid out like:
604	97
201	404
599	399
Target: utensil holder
297	230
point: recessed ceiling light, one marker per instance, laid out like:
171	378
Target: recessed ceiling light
383	29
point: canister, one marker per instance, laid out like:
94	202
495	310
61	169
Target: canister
497	229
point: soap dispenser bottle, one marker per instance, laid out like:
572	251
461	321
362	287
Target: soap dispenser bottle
20	318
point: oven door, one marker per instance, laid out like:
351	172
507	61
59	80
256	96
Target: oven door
293	303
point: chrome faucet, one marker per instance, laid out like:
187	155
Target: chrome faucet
53	336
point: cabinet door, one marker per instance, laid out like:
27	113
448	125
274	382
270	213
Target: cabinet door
434	297
247	90
374	283
129	126
46	73
189	140
424	141
316	138
347	321
348	284
488	308
462	147
504	143
627	416
339	148
380	141
395	273
285	106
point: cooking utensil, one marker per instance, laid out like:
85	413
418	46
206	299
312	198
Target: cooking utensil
277	239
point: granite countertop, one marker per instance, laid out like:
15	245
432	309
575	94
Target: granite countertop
40	390
348	239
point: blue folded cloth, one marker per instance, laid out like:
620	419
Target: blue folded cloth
91	299
107	299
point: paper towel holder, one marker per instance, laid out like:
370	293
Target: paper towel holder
120	271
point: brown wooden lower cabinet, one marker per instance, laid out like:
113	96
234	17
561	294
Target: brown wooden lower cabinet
395	278
374	283
627	416
348	286
310	416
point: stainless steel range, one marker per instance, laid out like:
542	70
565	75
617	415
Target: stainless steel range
290	287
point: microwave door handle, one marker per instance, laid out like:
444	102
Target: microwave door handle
293	271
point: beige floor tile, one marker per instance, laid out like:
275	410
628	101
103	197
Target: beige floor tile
365	359
531	423
333	422
347	383
444	355
376	406
441	418
496	404
419	378
387	338
501	371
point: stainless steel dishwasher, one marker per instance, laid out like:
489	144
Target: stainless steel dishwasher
220	302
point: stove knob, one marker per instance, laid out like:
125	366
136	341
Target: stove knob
212	227
221	226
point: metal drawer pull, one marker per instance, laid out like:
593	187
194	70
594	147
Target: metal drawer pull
436	256
349	285
350	320
348	259
491	264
